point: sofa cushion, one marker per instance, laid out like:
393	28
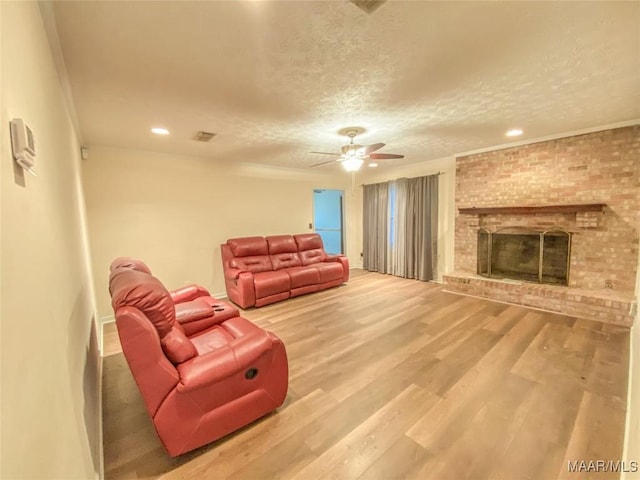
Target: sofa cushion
271	283
283	251
303	276
211	340
253	264
308	241
248	246
310	257
285	260
281	244
310	248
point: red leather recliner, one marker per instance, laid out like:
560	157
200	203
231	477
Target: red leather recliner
198	383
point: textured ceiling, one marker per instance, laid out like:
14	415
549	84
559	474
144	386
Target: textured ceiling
276	80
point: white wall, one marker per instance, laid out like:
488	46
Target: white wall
174	211
50	414
446	201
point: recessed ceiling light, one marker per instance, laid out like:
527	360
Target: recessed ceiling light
373	164
514	132
160	131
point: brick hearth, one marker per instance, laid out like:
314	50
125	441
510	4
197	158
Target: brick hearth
602	305
596	168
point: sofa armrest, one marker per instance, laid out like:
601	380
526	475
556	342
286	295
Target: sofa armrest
188	293
240	287
232	273
344	261
215	366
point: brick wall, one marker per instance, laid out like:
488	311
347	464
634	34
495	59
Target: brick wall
601	167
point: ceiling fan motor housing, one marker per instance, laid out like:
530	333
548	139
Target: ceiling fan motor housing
356	149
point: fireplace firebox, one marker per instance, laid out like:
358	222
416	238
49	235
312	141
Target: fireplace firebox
524	254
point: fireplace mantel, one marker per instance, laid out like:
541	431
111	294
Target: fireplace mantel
532	209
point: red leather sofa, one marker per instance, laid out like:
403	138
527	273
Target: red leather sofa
263	270
203	376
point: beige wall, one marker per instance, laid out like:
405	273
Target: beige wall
446	201
174	212
50	414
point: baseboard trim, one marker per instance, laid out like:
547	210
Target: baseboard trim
101	323
100	473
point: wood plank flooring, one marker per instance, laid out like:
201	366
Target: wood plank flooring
396	379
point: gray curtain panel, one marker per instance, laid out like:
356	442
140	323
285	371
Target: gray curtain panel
400	227
375	227
422	228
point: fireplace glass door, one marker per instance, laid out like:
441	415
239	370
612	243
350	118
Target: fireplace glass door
527	255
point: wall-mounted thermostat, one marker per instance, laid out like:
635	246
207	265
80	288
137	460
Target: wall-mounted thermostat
23	144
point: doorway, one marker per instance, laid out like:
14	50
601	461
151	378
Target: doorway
328	219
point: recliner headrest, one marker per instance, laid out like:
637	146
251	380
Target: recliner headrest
130	287
129	262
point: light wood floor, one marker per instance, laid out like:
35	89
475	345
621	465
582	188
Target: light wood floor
396	379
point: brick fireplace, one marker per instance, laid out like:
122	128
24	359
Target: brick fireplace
586	185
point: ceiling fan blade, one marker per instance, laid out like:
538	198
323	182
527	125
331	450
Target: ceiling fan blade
322	163
327	153
372	148
384	156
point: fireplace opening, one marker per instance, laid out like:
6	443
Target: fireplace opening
522	254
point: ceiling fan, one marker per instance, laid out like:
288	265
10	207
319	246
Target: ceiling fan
353	155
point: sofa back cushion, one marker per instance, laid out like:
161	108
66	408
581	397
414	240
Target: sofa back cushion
253	264
248	246
281	244
283	251
310	248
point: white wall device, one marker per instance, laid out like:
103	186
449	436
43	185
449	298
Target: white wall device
23	144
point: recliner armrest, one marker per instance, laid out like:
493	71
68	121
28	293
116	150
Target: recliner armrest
187	312
188	293
212	367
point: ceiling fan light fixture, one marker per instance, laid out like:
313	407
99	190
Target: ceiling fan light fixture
353	155
352	164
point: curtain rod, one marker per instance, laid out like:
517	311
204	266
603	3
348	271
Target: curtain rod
437	173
